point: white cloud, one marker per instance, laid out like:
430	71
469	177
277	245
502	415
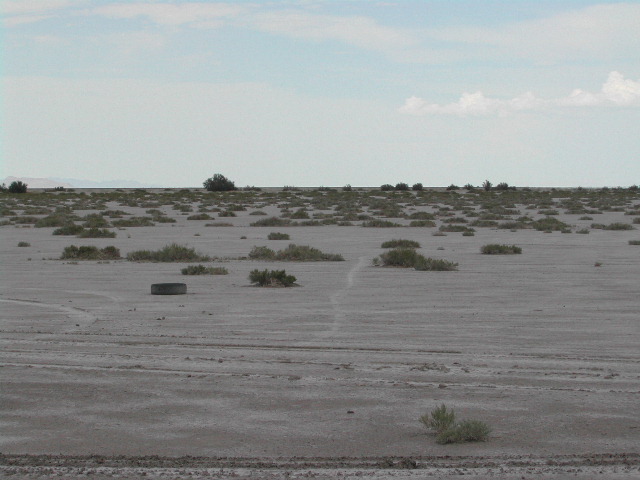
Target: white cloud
196	14
359	31
616	91
17	12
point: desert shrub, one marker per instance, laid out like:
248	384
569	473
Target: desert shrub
90	252
203	270
549	224
400	257
219	183
511	225
422	223
421	216
199	216
402	187
619	226
95	220
271	278
400	243
24	220
17	187
497	249
443	423
278	236
439	420
169	253
262	253
24	244
453	187
303	253
502	186
455	228
227	213
134	222
258	212
300	214
417	187
272	222
387	187
465	431
53	221
484	223
347	188
486	185
377	223
69	229
163	219
634	242
434	265
584	231
96	233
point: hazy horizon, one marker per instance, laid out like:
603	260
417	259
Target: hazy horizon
318	93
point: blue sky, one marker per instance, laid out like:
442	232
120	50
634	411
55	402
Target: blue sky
310	93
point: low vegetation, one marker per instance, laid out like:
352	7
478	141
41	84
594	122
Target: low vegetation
442	422
294	253
203	270
271	278
409	258
497	249
89	252
400	243
278	236
169	253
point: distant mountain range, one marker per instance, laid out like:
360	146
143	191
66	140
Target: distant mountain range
77	183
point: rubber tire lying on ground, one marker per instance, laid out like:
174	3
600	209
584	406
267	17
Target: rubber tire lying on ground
168	289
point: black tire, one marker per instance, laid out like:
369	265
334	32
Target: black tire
168	289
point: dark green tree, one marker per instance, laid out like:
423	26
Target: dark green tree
219	183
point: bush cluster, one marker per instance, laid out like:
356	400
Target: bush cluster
169	253
409	258
271	278
278	236
89	252
497	249
400	243
443	422
294	253
204	270
219	183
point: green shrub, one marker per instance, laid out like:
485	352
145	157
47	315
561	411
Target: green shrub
95	220
439	420
421	216
417	187
377	223
400	243
497	249
465	431
422	223
227	213
402	187
169	253
386	187
219	183
442	422
272	222
435	265
634	242
24	244
619	226
17	187
549	224
278	236
204	270
134	222
262	253
300	214
199	216
97	233
258	212
70	229
455	228
271	278
89	252
53	221
400	257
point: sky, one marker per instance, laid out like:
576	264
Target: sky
322	93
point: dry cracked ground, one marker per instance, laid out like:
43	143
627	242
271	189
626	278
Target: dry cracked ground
101	379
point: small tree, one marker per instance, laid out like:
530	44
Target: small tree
487	185
417	187
17	187
219	183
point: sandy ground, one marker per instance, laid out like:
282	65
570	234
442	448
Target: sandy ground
326	380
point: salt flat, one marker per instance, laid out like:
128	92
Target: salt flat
542	346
